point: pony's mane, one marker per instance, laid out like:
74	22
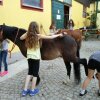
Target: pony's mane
12	29
22	30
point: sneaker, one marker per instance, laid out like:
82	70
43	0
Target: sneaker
32	93
98	93
25	92
4	73
83	94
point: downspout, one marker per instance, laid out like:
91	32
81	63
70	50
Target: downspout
96	9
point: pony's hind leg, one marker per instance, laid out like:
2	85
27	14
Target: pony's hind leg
68	67
77	74
77	67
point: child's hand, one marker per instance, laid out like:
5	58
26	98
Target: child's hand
64	33
61	35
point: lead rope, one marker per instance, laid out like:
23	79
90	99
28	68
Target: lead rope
13	46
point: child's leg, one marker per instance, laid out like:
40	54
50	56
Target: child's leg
98	75
35	70
99	80
5	52
34	83
28	77
86	82
0	60
88	79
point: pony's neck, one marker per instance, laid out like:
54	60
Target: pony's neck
10	32
11	37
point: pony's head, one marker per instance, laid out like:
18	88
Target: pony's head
10	32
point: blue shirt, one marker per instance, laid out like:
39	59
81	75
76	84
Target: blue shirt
95	56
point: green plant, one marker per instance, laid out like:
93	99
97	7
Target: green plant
92	17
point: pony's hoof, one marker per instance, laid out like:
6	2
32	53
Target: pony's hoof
77	82
67	82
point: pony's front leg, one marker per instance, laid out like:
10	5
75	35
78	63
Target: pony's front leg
38	80
68	67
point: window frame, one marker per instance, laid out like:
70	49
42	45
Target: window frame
26	6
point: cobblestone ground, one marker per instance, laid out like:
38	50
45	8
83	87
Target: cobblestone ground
52	74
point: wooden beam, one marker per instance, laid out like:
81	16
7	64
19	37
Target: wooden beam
84	2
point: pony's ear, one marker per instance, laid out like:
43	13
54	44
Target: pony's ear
1	27
4	24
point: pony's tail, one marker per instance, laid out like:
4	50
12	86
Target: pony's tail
77	73
77	69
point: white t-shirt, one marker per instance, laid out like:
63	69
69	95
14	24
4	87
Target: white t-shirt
5	45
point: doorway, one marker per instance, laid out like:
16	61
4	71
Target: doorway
66	15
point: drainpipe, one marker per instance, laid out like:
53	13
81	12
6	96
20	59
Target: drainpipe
96	9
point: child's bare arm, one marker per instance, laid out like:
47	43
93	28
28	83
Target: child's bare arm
50	36
23	36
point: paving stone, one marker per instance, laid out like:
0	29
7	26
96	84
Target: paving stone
52	74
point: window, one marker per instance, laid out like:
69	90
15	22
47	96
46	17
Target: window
99	6
68	2
84	11
1	2
34	4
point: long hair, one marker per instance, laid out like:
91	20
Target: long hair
32	38
52	26
69	24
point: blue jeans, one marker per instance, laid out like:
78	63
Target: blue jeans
3	58
0	60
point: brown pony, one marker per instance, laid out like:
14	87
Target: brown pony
64	47
77	35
